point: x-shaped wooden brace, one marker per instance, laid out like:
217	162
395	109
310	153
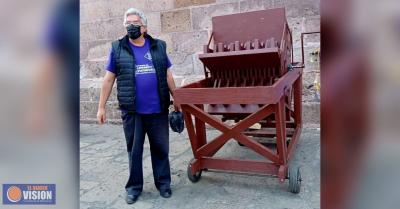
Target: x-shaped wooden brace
212	147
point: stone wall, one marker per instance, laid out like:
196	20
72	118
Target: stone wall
185	26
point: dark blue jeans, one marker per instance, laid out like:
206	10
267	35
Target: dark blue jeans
136	126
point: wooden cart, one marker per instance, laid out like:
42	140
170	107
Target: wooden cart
250	78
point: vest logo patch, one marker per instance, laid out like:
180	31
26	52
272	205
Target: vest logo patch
148	56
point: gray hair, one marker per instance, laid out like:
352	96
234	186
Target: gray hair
133	11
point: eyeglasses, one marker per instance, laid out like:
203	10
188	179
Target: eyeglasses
133	23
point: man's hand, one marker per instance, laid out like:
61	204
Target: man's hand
177	107
101	116
171	86
105	92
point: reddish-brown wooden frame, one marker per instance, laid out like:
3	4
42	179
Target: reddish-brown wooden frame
273	98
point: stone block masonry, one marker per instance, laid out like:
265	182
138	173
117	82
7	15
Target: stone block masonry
185	25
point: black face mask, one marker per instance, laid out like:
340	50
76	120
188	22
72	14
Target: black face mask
134	31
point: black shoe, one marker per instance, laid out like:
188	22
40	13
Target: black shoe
166	193
131	198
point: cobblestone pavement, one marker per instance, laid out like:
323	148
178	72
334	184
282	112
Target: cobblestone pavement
104	171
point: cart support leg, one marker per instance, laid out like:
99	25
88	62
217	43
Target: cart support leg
282	173
191	131
195	165
297	100
200	129
281	131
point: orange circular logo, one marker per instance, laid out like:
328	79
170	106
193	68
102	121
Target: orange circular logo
14	194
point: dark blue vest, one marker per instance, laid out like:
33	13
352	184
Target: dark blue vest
125	72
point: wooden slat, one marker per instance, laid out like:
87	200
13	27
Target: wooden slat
281	131
238	165
265	132
231	95
239	53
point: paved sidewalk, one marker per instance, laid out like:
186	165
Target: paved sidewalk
104	171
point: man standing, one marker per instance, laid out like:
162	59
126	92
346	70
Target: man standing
141	66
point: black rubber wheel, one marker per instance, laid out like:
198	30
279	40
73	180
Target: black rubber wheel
294	180
193	178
